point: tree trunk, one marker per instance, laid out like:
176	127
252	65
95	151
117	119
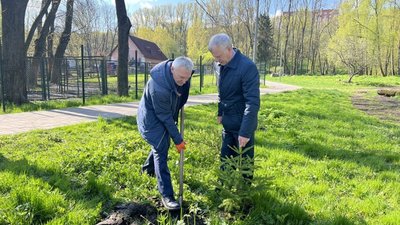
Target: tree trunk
310	42
285	56
40	46
351	77
14	58
398	58
40	43
124	25
62	46
278	45
393	72
50	54
45	6
303	31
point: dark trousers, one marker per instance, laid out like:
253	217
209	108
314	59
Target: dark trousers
156	164
231	139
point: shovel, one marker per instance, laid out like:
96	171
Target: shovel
182	157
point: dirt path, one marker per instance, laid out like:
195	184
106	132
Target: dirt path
385	108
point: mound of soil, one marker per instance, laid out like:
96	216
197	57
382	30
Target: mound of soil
381	106
131	214
389	92
135	214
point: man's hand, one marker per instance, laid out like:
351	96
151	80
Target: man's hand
219	119
243	141
181	146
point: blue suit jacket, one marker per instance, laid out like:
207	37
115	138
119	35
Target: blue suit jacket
239	95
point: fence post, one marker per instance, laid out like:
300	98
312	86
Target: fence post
43	79
78	88
48	78
2	78
103	77
83	76
66	75
201	73
136	76
106	75
265	70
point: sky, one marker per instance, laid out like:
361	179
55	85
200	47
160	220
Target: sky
133	5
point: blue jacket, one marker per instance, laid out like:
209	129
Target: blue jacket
239	95
160	104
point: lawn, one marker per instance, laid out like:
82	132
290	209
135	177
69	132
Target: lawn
339	82
321	161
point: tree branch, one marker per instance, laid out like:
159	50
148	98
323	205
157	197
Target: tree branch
202	6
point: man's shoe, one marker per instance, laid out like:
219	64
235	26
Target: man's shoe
170	203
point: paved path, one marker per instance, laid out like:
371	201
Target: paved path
27	121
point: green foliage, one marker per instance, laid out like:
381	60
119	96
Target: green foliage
197	42
162	38
366	32
265	42
324	162
234	184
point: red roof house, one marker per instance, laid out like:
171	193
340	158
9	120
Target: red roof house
147	51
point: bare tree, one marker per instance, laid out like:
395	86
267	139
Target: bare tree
63	43
40	43
351	53
124	26
35	24
287	34
303	33
13	35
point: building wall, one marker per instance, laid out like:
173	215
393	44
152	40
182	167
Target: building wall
132	49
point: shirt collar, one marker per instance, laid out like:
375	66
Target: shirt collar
234	61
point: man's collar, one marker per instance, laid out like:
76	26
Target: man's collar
234	61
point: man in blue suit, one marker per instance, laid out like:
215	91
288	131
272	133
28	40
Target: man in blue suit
165	94
239	97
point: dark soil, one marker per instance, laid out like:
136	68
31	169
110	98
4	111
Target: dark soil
385	108
136	213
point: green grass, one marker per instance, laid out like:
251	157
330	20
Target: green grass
339	81
325	162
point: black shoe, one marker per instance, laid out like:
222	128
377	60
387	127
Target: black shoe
170	203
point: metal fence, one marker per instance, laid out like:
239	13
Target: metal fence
83	77
70	77
88	76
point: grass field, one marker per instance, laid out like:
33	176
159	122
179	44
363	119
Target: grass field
324	161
